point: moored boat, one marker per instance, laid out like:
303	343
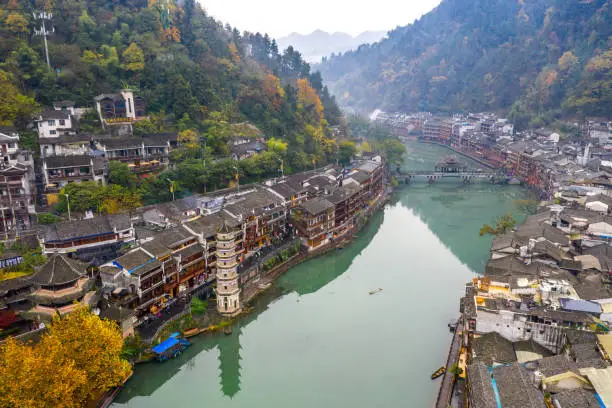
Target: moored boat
438	372
172	347
192	332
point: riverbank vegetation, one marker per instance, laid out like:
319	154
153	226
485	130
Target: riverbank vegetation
75	361
502	225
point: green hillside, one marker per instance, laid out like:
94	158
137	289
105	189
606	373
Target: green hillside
539	59
193	72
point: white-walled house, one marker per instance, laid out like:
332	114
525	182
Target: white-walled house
54	123
9	145
65	145
65	106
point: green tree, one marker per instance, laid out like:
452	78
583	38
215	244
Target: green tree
133	58
277	146
15	108
503	224
347	151
119	173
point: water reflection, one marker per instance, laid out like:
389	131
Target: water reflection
152	376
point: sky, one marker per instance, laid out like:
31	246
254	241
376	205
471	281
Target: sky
282	17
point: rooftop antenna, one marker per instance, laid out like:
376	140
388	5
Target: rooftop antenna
43	16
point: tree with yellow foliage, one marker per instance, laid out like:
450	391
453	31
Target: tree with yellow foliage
309	101
277	146
133	58
189	139
17	23
273	89
15	108
78	359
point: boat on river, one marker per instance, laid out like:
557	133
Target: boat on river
440	371
193	332
372	292
172	347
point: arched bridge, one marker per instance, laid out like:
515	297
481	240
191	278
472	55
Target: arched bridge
465	177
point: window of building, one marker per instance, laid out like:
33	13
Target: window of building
62	122
51	122
52	132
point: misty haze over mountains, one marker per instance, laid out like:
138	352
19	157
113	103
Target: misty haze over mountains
320	43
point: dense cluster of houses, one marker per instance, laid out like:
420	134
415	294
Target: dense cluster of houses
69	155
534	330
536	325
129	266
541	158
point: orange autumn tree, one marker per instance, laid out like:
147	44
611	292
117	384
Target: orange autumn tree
273	89
308	101
75	361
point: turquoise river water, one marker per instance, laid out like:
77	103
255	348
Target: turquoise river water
318	339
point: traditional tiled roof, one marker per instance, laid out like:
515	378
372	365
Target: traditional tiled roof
492	348
481	392
577	398
56	162
159	139
316	205
516	388
122	143
84	228
65	139
59	270
51	114
133	259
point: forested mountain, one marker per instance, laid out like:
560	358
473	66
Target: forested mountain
192	72
538	59
319	44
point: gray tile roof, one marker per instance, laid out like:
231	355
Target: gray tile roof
55	162
284	189
146	268
133	259
59	270
578	398
84	228
554	365
516	388
51	114
481	391
492	348
121	144
317	205
65	139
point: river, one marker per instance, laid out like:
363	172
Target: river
318	339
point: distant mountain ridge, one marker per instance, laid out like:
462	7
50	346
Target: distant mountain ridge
539	60
320	43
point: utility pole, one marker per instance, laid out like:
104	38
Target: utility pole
237	179
68	202
42	16
172	188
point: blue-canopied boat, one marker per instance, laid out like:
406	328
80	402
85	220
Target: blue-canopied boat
172	347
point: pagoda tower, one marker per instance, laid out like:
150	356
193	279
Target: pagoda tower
228	291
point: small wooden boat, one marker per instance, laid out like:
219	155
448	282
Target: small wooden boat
192	332
372	292
440	371
340	247
227	330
